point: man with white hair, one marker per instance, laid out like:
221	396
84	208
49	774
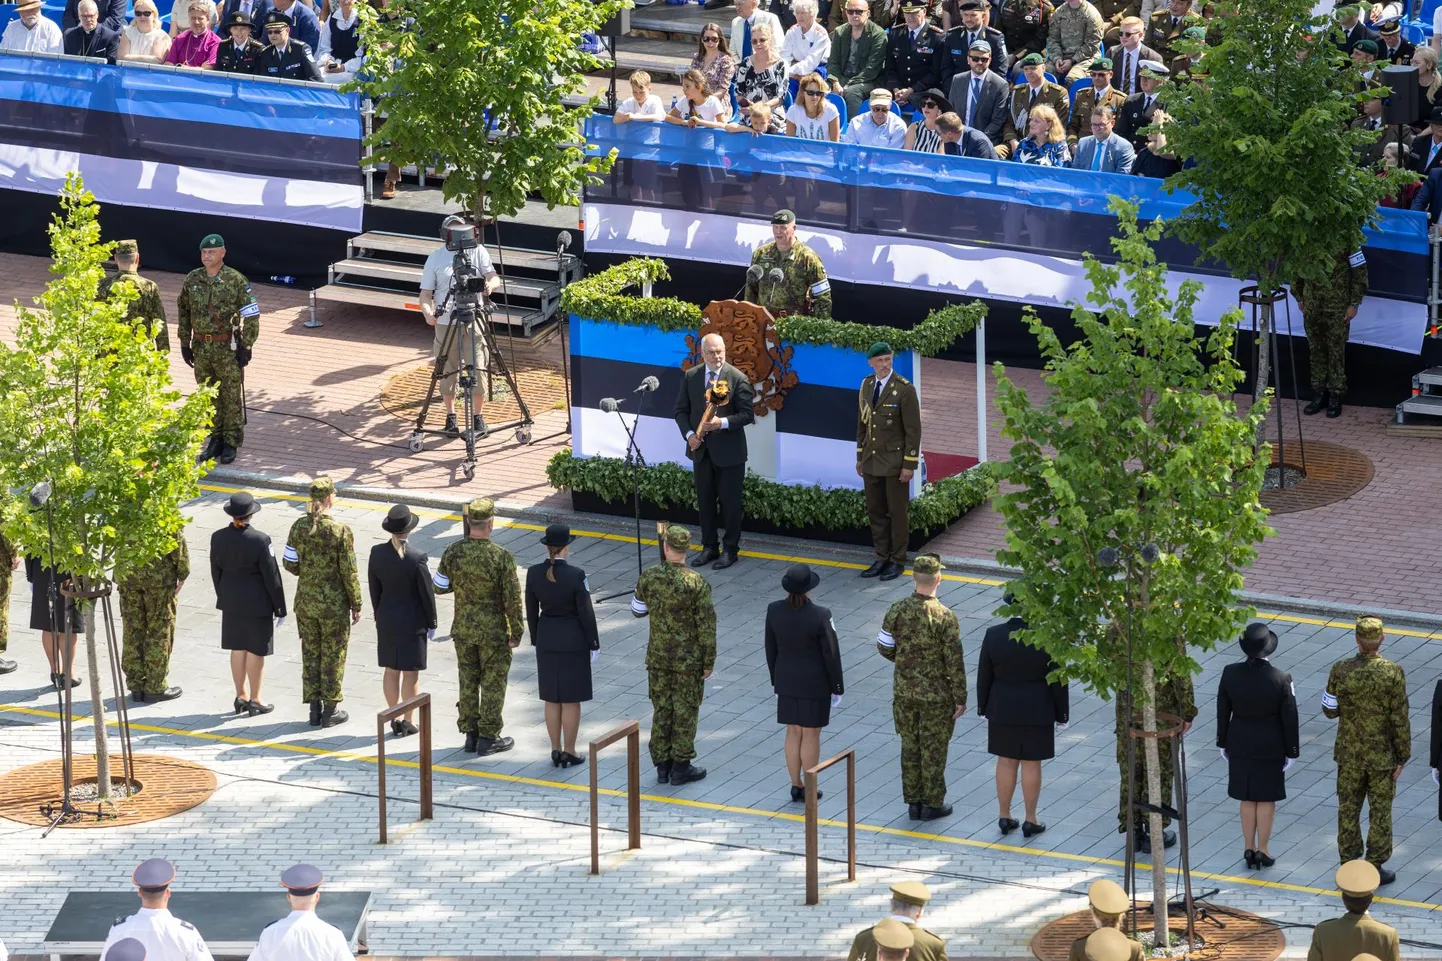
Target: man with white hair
31	32
807	43
90	37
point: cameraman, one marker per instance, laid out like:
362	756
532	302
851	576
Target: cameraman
436	279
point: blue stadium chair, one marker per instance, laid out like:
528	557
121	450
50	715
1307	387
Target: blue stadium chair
1414	32
1429	8
8	12
840	103
896	108
1051	77
1075	86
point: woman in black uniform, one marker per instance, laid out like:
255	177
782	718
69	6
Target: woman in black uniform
1257	732
563	630
250	597
804	659
404	602
43	618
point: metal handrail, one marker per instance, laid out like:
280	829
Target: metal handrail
423	702
631	731
813	882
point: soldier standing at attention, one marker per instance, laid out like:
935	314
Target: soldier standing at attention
1356	935
922	636
889	940
1368	695
146	309
680	655
802	287
165	937
908	901
147	616
1327	311
9	560
219	324
485	628
888	450
320	550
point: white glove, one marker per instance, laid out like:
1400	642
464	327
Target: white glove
1223	752
595	654
1063	725
836	700
1435	778
1287	764
280	622
430	633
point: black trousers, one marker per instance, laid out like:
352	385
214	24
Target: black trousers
719	484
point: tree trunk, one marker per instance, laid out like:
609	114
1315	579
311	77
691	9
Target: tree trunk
1154	796
97	700
1265	320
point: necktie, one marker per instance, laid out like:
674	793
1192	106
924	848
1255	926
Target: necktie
971	101
876	393
746	39
1034	94
915	34
1432	154
1127	76
1099	156
1147	103
1174	23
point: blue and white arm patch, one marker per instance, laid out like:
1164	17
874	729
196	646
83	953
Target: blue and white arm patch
440	580
251	309
1329	700
1358	259
291	555
885	639
822	286
639	608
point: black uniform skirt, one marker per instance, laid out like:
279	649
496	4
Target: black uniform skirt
402	652
1251	779
40	612
1021	742
248	633
803	711
563	677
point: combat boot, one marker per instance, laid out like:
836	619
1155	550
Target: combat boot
211	448
470	745
663	772
227	454
332	716
1318	402
493	745
169	694
315	709
684	772
1334	405
930	813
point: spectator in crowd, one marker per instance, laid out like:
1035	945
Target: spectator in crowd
1387	10
1100	94
697	108
1402	199
91	38
1370	154
180	16
756	120
980	94
743	27
913	53
807	44
255	9
283	57
1035	90
239	52
1195	38
762	77
1129	54
1394	47
143	40
304	26
1113	12
1154	160
1426	152
858	52
1364	55
879	126
959	41
1104	151
1429	198
884	13
111	14
1045	143
642	106
196	46
31	32
959	140
1140	108
713	59
1073	39
339	58
812	116
1168	25
1429	84
923	134
1353	30
1024	24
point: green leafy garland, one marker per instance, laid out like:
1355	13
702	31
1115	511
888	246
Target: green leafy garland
784	505
599	297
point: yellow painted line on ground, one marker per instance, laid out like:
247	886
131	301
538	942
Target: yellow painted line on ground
996	846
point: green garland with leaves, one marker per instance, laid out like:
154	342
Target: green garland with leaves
784	505
599	297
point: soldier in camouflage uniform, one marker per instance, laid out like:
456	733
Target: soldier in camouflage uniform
1368	695
680	654
1327	311
146	309
486	627
219	324
147	616
320	550
804	289
9	560
928	693
1025	25
1072	40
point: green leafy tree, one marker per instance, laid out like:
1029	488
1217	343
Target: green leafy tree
1139	451
479	87
90	409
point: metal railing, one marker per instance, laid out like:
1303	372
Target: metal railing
423	702
631	731
813	880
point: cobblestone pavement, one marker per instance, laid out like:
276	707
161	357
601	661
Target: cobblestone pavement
503	868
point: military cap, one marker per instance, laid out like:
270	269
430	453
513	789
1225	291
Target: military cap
321	488
911	892
879	349
1108	944
892	935
276	17
238	18
1366	46
302	880
126	949
1032	60
980	46
1358	878
126	247
1100	63
910	6
1198	34
969	5
480	510
1389	28
928	564
1369	628
212	241
783	217
153	875
1154	68
677	537
1107	897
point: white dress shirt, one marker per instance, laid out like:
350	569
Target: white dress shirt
301	936
711	376
805	51
865	132
760	18
166	937
44	37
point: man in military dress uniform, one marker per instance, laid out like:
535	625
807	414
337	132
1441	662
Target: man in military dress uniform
1175	696
1327	311
1034	89
922	636
802	287
165	937
680	655
1024	24
486	627
912	53
1356	934
301	935
1108	944
239	52
219	324
1367	694
147	616
1168	25
956	47
888	450
283	57
9	560
146	309
908	902
886	940
126	949
1108	902
1100	94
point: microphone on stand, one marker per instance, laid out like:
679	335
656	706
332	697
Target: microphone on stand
776	276
610	405
647	385
753	276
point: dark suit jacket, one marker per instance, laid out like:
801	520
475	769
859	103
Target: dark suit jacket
560	614
402	595
1132	118
105	42
727	446
1011	685
258	10
1257	712
990	114
802	652
953	53
1403	53
1358	33
1417	155
1429	198
244	572
112	15
1144	53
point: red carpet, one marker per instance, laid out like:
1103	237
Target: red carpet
940	465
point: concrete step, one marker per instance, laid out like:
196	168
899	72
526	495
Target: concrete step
505	259
678	21
525	320
515	288
659	58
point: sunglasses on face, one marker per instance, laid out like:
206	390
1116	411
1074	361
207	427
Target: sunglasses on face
814	93
929	105
275	30
979	59
140	15
710	39
854	13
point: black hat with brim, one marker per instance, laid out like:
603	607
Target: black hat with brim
557	535
242	504
400	520
799	579
238	18
1258	640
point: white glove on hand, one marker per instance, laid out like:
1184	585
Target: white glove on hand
280	622
1287	764
836	700
430	633
1435	778
1223	752
595	654
1063	725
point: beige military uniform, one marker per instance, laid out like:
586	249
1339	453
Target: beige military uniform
1079	125
1053	95
888	441
925	947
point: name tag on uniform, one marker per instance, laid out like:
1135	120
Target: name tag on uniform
1358	259
924	48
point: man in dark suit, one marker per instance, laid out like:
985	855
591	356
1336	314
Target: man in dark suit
1129	54
1435	756
1140	108
91	38
1426	151
1353	30
112	14
249	595
980	94
912	54
256	9
1392	46
958	41
717	449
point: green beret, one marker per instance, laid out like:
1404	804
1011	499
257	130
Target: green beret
783	217
127	247
1195	33
677	537
1366	46
1100	63
1032	60
928	564
480	510
211	241
321	488
878	349
1369	628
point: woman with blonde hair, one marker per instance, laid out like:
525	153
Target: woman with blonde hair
1429	85
762	77
1045	143
563	630
404	604
812	116
143	40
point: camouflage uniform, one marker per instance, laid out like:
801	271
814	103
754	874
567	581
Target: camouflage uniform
147	617
145	309
1324	318
487	623
320	551
1025	25
217	314
805	289
922	636
1174	696
1075	35
1368	694
7	560
680	652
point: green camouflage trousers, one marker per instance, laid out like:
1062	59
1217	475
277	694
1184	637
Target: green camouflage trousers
147	620
1139	785
675	712
323	643
1355	784
215	364
484	669
925	731
1327	347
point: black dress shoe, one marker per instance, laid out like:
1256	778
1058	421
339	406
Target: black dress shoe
407	728
227	454
798	793
1144	839
1387	877
169	694
240	705
333	716
556	758
255	707
876	568
684	772
315	709
707	555
570	760
7	665
913	810
1031	829
58	680
663	772
471	739
1317	403
1334	405
891	571
1262	859
726	561
1249	857
493	745
930	813
1007	825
